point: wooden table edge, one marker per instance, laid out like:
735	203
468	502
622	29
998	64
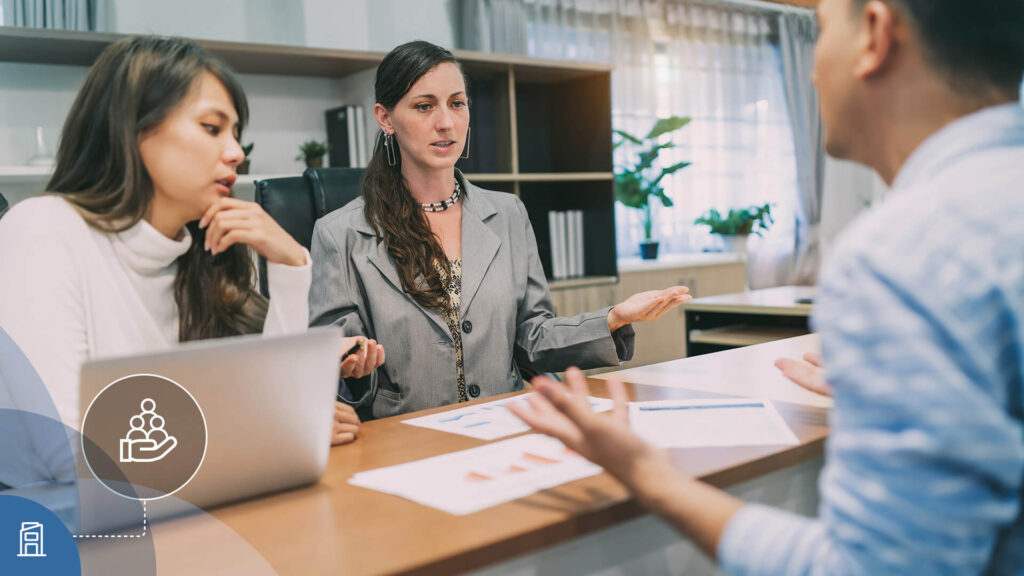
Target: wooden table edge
582	524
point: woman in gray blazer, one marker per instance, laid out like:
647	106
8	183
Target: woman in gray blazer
444	275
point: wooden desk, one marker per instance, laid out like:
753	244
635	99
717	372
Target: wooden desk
335	528
719	323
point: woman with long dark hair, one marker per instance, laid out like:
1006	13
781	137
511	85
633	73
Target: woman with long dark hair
138	243
446	275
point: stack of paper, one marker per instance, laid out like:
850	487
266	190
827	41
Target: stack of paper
488	421
709	422
471	480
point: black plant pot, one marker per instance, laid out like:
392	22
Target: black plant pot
649	250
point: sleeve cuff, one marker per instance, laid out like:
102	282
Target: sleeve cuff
282	277
747	523
624	339
763	540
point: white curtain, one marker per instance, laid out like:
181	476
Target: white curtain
797	35
715	63
60	14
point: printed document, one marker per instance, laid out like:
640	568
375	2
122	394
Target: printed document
470	480
710	422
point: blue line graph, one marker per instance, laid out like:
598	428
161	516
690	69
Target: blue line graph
699	407
454	418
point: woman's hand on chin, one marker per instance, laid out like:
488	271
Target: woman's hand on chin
230	221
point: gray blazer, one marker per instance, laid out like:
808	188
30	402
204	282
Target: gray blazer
506	314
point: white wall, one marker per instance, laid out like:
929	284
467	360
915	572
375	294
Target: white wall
32	95
379	25
221	20
340	24
285	110
849	189
393	22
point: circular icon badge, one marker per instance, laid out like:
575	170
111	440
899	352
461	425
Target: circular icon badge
144	437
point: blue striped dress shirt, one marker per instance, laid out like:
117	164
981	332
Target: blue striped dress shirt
921	317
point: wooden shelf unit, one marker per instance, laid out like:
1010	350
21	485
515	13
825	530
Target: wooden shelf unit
727	321
743	335
541	129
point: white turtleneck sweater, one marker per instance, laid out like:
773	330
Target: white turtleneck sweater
71	293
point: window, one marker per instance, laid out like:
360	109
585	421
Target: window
718	65
739	140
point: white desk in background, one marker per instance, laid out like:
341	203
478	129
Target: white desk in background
748	372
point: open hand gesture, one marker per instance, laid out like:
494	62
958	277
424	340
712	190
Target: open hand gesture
567	415
644	306
808	374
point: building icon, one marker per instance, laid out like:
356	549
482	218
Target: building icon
31	540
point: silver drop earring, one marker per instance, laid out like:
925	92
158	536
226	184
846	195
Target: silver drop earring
389	147
465	151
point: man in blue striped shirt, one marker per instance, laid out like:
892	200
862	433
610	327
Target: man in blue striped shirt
920	312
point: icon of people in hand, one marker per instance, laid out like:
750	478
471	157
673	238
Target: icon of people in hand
147	441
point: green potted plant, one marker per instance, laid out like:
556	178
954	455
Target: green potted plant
243	168
313	153
635	184
738	225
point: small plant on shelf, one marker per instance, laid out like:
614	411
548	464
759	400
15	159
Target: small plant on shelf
738	224
313	152
637	183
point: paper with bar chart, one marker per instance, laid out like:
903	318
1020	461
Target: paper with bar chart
471	480
709	422
488	421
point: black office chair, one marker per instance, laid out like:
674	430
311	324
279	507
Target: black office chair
334	187
3	205
297	202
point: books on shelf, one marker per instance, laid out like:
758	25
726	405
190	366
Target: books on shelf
566	232
346	134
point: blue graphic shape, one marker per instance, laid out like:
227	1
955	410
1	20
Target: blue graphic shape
475	424
37	466
34	444
34	541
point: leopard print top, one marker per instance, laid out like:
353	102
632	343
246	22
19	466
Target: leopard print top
451	315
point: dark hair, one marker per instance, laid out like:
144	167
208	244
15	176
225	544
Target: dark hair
389	207
133	86
980	42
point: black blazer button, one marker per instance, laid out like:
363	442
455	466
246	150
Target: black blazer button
467	326
474	390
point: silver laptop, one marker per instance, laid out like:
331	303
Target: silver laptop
268	405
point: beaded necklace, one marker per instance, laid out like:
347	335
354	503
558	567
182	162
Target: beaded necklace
444	204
